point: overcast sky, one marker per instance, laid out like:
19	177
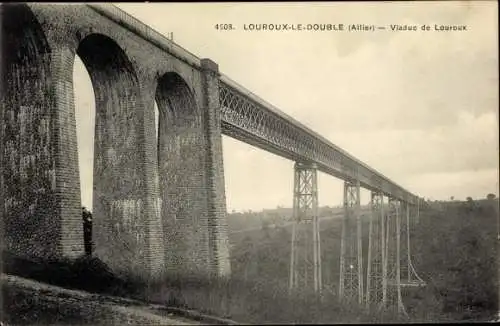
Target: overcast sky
420	107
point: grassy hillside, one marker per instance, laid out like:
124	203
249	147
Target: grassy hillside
266	251
456	252
29	302
454	249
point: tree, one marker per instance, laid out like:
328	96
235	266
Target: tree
264	224
87	230
470	203
491	196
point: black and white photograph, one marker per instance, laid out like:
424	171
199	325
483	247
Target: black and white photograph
223	163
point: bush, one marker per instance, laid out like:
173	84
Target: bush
86	273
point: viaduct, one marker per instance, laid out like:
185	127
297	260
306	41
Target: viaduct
131	66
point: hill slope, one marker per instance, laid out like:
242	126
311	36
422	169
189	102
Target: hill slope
454	249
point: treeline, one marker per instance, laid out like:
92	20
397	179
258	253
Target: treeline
278	216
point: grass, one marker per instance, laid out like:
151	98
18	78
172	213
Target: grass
22	306
454	250
257	302
247	302
30	302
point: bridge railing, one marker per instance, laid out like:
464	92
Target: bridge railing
121	17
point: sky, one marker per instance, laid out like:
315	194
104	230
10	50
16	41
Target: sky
421	107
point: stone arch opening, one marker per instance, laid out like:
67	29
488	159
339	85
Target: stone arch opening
27	159
157	180
85	125
118	232
181	173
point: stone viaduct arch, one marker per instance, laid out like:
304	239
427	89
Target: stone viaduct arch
120	225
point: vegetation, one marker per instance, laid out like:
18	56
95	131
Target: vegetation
33	303
239	221
454	250
458	257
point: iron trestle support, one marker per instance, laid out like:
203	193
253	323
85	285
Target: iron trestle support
376	276
393	249
351	255
305	275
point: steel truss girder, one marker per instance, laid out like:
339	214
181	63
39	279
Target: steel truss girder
305	260
376	276
351	255
246	118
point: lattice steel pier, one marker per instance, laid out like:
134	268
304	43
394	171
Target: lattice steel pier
392	256
409	276
305	260
376	276
351	259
